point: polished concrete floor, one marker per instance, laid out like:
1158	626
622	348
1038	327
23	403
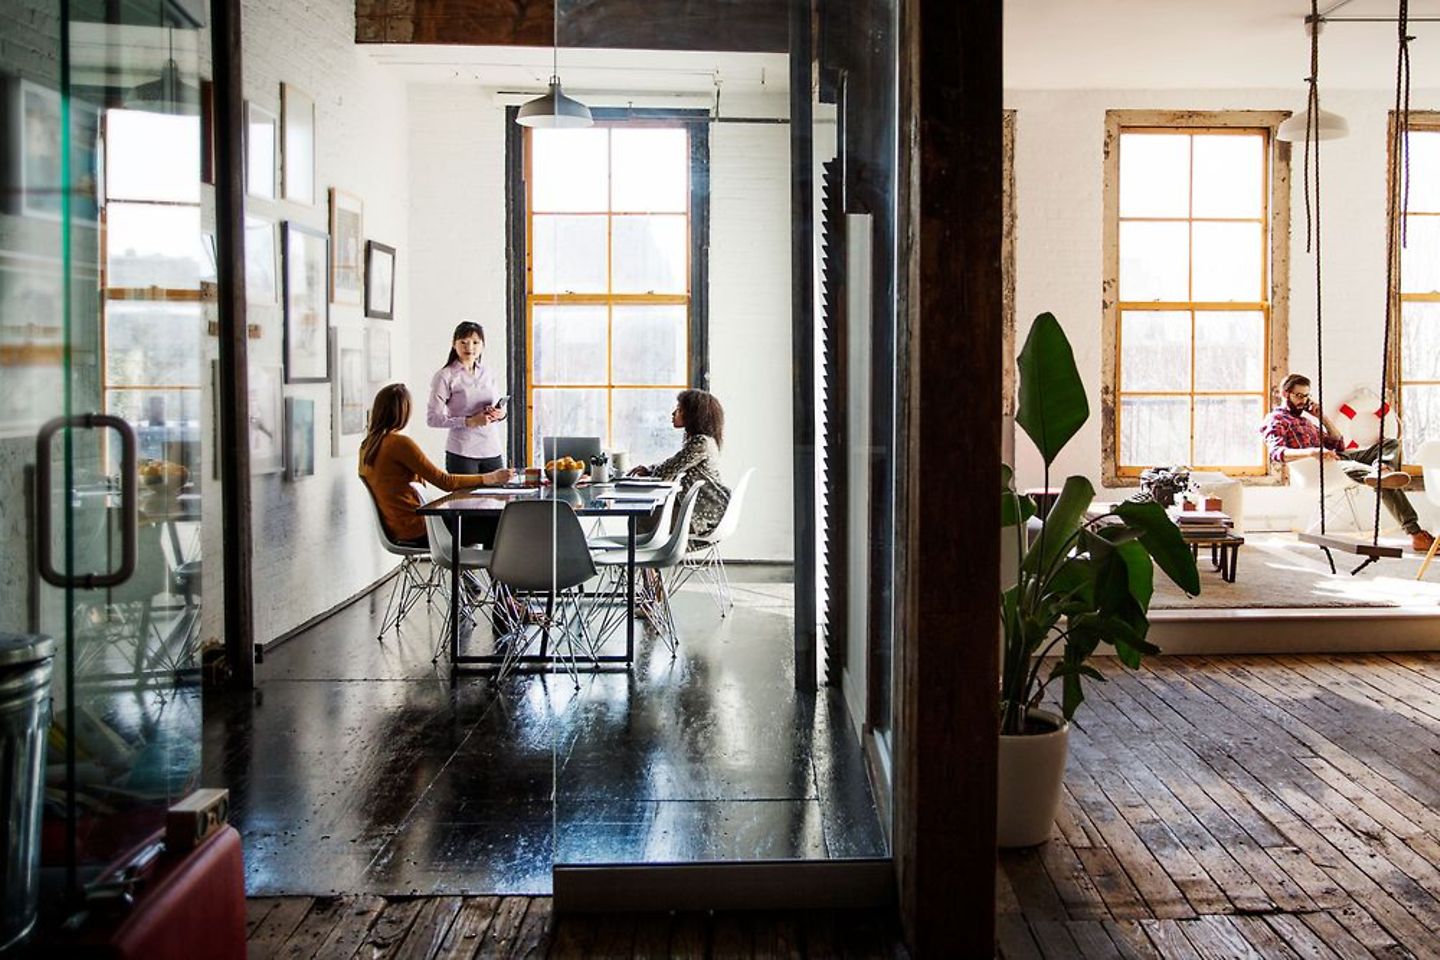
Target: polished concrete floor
359	767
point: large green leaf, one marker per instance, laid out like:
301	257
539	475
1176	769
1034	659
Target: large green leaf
1162	539
1061	523
1052	397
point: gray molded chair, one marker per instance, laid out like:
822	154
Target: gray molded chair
703	559
472	562
663	559
408	585
654	539
540	551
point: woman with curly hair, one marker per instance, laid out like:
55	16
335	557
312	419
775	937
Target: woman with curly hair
701	416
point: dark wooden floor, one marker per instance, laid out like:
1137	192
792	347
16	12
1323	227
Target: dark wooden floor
460	927
1242	807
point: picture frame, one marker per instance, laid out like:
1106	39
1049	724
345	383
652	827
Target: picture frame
379	280
297	145
262	133
306	255
262	280
377	355
267	428
30	113
349	396
347	214
299	438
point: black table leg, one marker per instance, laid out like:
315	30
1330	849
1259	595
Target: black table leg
452	523
1234	561
630	524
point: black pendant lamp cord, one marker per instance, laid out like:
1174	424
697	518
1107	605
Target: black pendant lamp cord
1312	228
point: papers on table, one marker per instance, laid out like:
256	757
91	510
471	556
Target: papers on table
629	496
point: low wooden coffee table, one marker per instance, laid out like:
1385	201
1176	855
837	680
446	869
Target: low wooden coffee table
1224	551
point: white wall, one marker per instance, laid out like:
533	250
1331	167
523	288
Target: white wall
314	539
1059	177
458	269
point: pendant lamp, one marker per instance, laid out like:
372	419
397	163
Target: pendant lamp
555	110
1328	126
167	93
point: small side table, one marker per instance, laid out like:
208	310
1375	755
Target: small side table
1224	552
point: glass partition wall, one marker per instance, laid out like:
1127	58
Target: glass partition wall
104	271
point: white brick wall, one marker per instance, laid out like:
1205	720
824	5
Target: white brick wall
457	232
314	539
1059	185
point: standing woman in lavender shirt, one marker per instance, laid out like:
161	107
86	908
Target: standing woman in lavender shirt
462	399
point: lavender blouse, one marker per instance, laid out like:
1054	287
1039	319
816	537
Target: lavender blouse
457	393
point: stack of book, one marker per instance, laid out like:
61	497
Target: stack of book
1197	524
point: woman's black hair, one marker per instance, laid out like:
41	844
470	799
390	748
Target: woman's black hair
463	330
702	415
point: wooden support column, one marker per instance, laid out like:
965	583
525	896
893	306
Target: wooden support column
234	406
951	298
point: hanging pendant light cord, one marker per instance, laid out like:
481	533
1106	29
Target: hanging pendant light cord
1398	205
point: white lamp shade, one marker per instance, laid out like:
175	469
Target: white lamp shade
554	110
1332	126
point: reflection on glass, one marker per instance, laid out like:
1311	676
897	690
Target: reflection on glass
1154	430
1154	350
167	425
650	344
1227	432
1420	340
1154	175
1229	176
569	255
651	255
149	343
1420	405
153	246
1228	261
1420	255
1154	261
1229	350
651	170
152	156
559	412
642	425
568	170
569	345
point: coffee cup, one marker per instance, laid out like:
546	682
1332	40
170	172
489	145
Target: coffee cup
620	461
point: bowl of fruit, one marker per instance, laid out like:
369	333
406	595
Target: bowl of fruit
564	471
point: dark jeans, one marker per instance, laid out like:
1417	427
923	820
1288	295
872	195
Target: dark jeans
1358	464
454	463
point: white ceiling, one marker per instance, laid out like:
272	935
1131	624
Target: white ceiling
1202	44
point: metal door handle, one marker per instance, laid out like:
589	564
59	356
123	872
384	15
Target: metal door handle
129	515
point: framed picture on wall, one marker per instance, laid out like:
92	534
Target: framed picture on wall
350	394
346	267
307	306
377	354
297	145
299	438
31	152
379	281
262	281
262	129
267	437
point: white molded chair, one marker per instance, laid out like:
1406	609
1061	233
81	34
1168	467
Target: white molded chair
1428	457
472	562
408	586
1340	491
664	558
703	558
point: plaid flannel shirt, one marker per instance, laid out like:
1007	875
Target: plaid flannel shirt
1284	430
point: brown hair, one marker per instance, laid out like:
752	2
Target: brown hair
464	331
390	413
702	414
1292	381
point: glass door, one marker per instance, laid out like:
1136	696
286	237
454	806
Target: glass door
104	276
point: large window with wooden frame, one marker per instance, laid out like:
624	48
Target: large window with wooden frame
609	291
1416	284
154	262
1190	314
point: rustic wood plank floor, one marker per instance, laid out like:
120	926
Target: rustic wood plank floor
1242	807
419	928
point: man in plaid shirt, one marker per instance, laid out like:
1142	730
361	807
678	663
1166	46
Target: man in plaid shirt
1298	430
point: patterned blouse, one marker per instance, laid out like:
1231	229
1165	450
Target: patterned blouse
698	462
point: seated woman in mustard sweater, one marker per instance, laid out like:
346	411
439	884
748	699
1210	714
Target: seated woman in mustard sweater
390	461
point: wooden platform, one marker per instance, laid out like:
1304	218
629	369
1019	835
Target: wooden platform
1242	807
462	927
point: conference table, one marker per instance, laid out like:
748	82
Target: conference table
627	500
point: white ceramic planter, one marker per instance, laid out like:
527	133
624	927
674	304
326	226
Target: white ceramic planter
1032	770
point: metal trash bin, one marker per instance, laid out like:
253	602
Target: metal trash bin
25	665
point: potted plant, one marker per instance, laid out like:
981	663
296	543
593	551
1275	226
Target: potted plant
1079	583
